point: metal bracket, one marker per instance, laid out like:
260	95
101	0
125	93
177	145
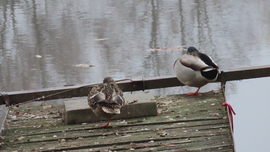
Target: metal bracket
138	82
223	83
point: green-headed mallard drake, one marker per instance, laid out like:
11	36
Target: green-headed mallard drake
195	69
106	100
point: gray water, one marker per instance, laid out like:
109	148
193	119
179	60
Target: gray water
55	43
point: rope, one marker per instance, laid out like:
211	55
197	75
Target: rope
42	97
225	103
50	95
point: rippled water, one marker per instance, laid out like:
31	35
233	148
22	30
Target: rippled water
54	43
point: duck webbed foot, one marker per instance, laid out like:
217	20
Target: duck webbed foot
193	93
106	125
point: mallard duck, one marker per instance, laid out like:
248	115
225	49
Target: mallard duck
106	100
195	69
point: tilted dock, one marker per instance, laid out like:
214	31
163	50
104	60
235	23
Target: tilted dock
183	123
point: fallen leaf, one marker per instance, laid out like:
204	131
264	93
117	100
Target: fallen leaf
169	145
215	114
167	111
39	126
13	117
162	134
38	117
32	116
47	106
20	138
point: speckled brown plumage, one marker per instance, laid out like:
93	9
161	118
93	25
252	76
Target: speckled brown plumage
106	100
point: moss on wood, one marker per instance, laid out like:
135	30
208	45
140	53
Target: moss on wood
185	123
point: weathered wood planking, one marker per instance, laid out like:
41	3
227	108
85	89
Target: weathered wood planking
184	123
127	85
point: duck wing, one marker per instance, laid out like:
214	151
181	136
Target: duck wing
118	95
207	60
96	95
192	62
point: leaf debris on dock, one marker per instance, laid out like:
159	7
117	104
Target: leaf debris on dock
183	123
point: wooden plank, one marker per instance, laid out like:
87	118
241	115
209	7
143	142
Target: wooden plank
183	123
126	85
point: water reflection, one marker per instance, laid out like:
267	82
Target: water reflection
115	39
41	41
251	100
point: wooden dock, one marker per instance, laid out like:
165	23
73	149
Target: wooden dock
184	123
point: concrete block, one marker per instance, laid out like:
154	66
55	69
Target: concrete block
137	105
140	97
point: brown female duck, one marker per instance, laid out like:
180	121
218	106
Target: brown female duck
106	100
